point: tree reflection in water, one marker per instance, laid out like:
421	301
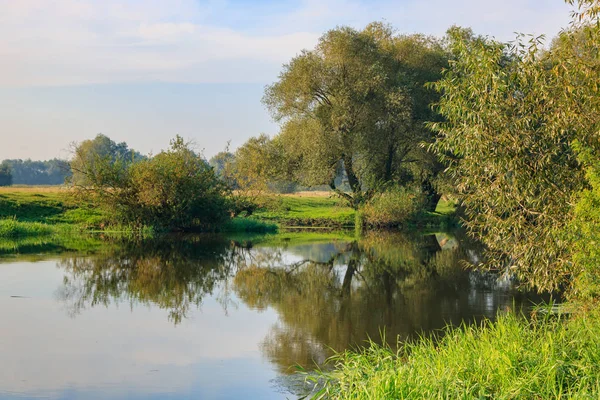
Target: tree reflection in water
332	295
172	274
392	284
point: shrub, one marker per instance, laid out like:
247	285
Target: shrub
174	190
392	207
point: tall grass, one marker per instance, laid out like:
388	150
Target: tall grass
11	228
507	359
393	208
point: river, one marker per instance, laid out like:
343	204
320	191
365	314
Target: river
209	317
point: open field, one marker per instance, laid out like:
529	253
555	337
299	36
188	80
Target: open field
48	205
33	189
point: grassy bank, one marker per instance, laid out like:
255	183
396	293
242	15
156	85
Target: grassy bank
44	211
321	209
507	359
308	209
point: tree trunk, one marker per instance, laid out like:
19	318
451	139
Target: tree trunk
389	163
432	197
353	181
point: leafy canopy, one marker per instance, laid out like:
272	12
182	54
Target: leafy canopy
357	103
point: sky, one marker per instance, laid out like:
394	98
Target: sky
143	71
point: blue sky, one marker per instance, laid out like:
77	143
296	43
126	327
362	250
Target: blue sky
142	71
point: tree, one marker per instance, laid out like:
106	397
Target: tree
6	178
511	114
177	189
222	163
90	155
174	190
357	102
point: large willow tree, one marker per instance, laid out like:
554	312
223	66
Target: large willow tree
512	114
357	103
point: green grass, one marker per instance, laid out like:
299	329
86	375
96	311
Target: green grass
38	247
443	218
511	358
308	211
446	207
323	211
11	228
56	208
47	205
249	225
31	206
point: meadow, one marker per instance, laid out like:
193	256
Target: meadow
47	210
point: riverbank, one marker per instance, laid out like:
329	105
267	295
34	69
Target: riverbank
52	211
513	357
324	209
45	211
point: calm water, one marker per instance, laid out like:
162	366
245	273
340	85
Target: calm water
214	318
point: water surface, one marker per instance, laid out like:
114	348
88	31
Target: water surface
218	318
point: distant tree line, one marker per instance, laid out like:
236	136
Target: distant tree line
29	172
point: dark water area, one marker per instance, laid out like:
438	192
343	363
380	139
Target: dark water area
220	318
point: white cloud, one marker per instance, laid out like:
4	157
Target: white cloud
66	42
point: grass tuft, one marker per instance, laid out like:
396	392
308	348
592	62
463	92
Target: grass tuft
11	228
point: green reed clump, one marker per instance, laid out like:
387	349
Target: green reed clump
511	358
11	228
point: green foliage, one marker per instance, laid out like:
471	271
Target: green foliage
177	189
393	207
221	163
588	9
585	234
100	159
511	114
174	190
11	228
510	358
357	103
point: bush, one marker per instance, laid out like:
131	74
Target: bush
393	207
174	190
